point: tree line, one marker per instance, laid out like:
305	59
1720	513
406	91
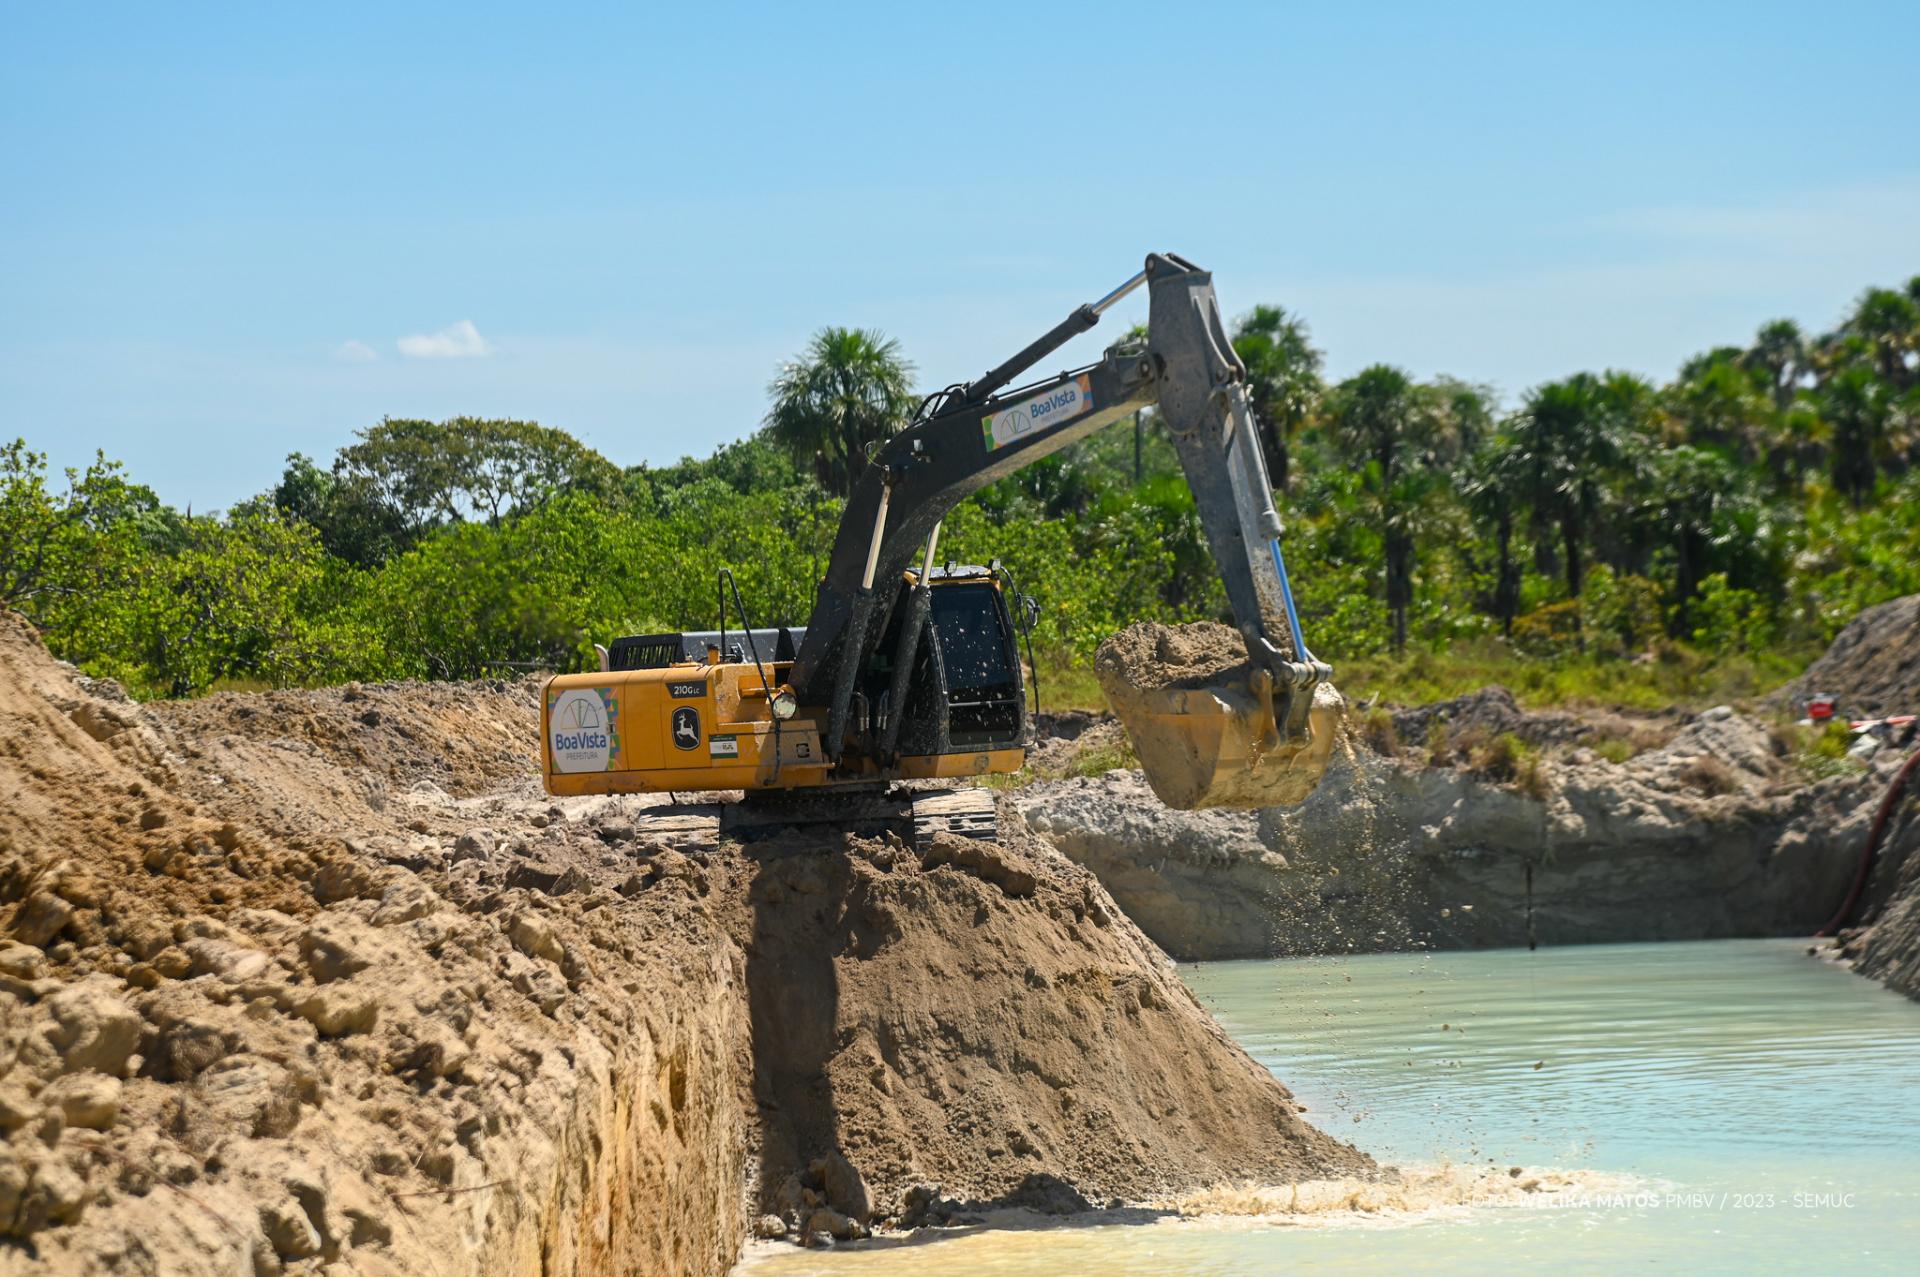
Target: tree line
1747	507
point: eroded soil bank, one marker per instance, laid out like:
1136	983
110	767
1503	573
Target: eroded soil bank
1874	668
1476	823
1714	833
295	980
1886	945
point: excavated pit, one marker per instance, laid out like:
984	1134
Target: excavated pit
1714	829
310	978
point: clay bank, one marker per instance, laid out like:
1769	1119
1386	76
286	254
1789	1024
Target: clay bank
1713	833
1475	823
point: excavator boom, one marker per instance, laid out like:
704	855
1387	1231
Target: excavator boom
1247	743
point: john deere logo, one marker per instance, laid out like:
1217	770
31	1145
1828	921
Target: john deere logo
686	728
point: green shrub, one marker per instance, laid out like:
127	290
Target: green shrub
1620	615
1726	619
1378	731
1550	630
1832	741
1509	760
1614	749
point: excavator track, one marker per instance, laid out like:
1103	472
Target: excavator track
970	813
916	814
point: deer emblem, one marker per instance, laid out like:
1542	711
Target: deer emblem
686	728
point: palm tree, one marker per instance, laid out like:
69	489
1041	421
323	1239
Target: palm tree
1718	403
848	391
1283	380
1855	404
1779	351
1385	422
1492	484
1800	443
1464	418
1890	324
1575	437
1682	493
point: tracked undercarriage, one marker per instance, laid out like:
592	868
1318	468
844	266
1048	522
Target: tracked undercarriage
916	814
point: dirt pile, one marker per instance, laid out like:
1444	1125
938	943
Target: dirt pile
1150	656
467	738
263	1037
1055	1041
1873	666
309	979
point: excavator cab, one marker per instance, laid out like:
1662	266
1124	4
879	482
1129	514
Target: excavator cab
966	693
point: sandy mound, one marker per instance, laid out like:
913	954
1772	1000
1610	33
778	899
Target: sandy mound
1873	665
1052	1040
306	979
467	738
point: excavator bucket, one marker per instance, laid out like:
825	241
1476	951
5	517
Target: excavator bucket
1209	737
1215	746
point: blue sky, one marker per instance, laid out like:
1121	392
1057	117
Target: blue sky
230	233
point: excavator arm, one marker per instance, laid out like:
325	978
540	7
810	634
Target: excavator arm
971	435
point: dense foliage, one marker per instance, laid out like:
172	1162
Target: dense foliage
1733	518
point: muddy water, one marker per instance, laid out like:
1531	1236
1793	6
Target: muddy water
1725	1107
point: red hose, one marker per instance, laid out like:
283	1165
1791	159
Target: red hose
1867	857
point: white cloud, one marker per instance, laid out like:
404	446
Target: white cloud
461	341
355	352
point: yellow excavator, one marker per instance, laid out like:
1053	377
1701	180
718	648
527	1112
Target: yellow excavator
908	669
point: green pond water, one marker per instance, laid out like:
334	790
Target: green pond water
1750	1110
